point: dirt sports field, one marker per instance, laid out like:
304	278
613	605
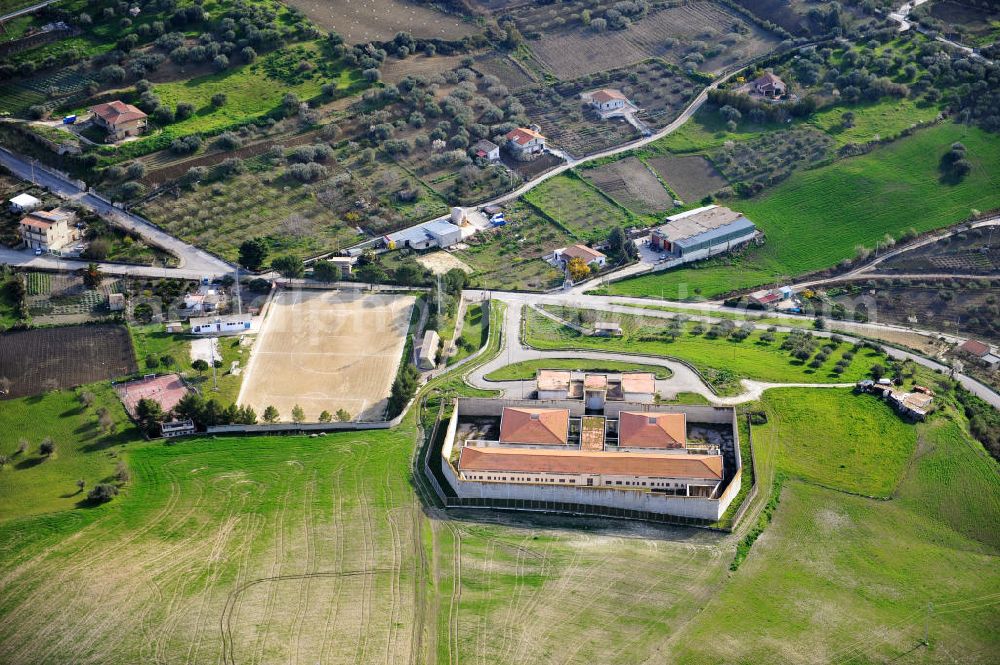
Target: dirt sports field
629	182
46	358
327	350
360	21
581	50
692	177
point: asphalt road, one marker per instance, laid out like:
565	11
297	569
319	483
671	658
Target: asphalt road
193	261
25	10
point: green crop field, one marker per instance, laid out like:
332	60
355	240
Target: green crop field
529	368
473	334
816	218
722	360
578	207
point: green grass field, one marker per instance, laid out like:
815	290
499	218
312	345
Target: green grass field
578	207
838	578
880	120
816	218
864	447
722	360
473	334
33	484
318	549
529	368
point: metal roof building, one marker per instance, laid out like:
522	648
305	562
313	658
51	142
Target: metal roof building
704	228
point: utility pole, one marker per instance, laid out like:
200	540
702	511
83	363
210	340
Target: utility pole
927	623
211	351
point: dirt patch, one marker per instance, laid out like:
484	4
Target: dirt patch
327	350
360	21
441	262
691	177
395	70
629	182
505	69
47	358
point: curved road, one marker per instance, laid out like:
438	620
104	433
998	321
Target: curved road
193	261
684	379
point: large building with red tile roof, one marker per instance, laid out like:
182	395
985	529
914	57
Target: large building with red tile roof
121	120
534	426
49	230
525	144
651	430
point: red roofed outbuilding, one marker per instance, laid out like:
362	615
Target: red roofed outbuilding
121	120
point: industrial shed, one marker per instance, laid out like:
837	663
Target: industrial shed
702	232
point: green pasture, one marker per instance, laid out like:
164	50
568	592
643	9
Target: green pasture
473	334
578	207
528	369
31	483
873	121
816	218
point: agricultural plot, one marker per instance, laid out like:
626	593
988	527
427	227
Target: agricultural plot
630	183
327	350
49	358
692	177
581	210
755	164
511	256
969	252
579	51
658	90
505	69
818	217
971	24
362	21
61	295
16	97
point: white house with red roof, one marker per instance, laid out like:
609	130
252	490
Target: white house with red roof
608	100
525	144
121	120
49	230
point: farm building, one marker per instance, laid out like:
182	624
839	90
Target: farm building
979	352
607	329
487	150
173	327
769	297
24	203
597	388
607	100
427	357
175	428
119	119
654	460
702	232
435	233
344	263
116	302
205	300
767	85
525	144
589	256
221	325
49	230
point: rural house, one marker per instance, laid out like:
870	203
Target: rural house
980	353
435	233
49	230
221	325
525	144
24	203
702	232
487	150
116	302
589	256
119	119
344	263
768	85
608	100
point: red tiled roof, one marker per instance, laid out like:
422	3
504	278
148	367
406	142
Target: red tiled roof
582	252
975	348
116	112
523	136
606	95
552	379
538	460
541	426
652	430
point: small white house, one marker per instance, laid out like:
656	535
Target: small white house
525	144
487	150
174	428
24	203
116	302
608	100
589	256
221	325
